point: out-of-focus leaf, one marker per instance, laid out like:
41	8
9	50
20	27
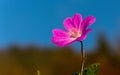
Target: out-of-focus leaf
77	73
92	69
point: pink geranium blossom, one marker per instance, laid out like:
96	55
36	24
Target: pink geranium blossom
76	30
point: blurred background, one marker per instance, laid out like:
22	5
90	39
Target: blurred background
25	37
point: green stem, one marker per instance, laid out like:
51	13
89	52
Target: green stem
83	58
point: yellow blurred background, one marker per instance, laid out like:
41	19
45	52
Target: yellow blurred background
17	60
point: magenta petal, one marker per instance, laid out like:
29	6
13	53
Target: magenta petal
77	19
68	24
62	41
61	37
88	21
84	35
60	33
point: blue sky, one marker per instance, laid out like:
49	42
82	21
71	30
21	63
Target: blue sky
31	21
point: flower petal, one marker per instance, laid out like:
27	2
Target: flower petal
77	19
68	24
59	41
60	33
88	21
84	35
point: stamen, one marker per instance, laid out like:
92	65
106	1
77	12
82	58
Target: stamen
74	33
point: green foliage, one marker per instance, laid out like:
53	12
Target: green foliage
90	70
77	73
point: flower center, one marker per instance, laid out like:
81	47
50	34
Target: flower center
75	33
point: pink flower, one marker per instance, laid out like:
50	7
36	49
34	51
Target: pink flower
76	30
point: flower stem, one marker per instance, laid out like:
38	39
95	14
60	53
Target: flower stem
83	58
